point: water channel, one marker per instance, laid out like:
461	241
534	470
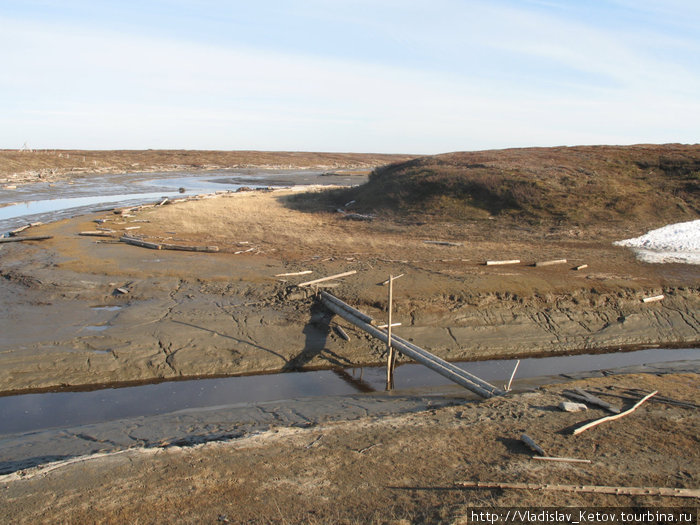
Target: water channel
30	412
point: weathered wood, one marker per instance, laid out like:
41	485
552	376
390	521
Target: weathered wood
597	422
330	277
510	381
444	243
394	278
19	230
391	356
593	400
27	238
387	326
448	370
352	311
500	263
550	263
563	460
653	299
207	249
138	242
581	267
342	333
96	234
598	489
244	251
532	445
303	272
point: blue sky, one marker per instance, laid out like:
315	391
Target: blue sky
396	76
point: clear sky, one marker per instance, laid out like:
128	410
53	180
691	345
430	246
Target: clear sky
395	76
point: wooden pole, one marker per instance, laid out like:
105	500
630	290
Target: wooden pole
616	416
390	351
510	381
618	491
308	283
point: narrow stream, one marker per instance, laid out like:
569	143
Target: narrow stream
30	412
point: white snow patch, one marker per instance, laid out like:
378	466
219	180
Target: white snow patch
678	243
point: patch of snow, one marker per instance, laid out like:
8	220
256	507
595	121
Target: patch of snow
677	243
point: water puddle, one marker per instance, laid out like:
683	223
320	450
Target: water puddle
29	412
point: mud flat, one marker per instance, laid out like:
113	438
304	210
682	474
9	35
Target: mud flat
360	459
82	310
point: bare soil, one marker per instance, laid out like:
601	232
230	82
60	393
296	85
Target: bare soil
403	469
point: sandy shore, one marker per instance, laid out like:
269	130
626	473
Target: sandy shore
187	314
380	468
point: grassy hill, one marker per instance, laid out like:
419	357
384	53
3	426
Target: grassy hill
652	184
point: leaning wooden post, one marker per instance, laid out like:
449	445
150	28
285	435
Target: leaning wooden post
391	359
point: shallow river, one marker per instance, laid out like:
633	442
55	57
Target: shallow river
28	412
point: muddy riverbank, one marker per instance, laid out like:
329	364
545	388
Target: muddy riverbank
83	310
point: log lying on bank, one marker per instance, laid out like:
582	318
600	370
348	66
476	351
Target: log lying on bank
597	422
504	262
653	299
178	247
598	489
444	243
138	242
96	234
539	264
323	279
28	238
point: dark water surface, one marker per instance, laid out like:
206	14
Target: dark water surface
29	412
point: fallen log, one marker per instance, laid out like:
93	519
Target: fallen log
612	418
20	230
653	299
599	489
581	267
28	238
563	460
500	263
207	249
550	263
444	243
532	445
329	278
96	234
303	272
140	243
339	330
593	400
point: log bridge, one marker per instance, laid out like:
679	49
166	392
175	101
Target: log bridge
442	367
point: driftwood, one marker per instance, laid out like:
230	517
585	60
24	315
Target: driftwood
597	422
304	272
599	489
207	249
532	445
653	299
19	230
444	243
550	263
581	267
339	330
392	279
138	242
593	400
244	251
500	263
510	381
329	278
96	234
27	238
563	460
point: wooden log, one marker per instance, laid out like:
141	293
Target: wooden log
563	460
448	370
444	243
244	251
96	234
598	489
392	279
27	238
330	277
550	263
207	249
19	230
303	272
140	243
342	333
593	400
500	263
581	267
387	326
510	381
532	445
597	422
352	311
653	299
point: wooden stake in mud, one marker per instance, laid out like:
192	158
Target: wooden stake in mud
391	358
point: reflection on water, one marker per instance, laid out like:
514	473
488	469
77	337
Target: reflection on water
23	413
